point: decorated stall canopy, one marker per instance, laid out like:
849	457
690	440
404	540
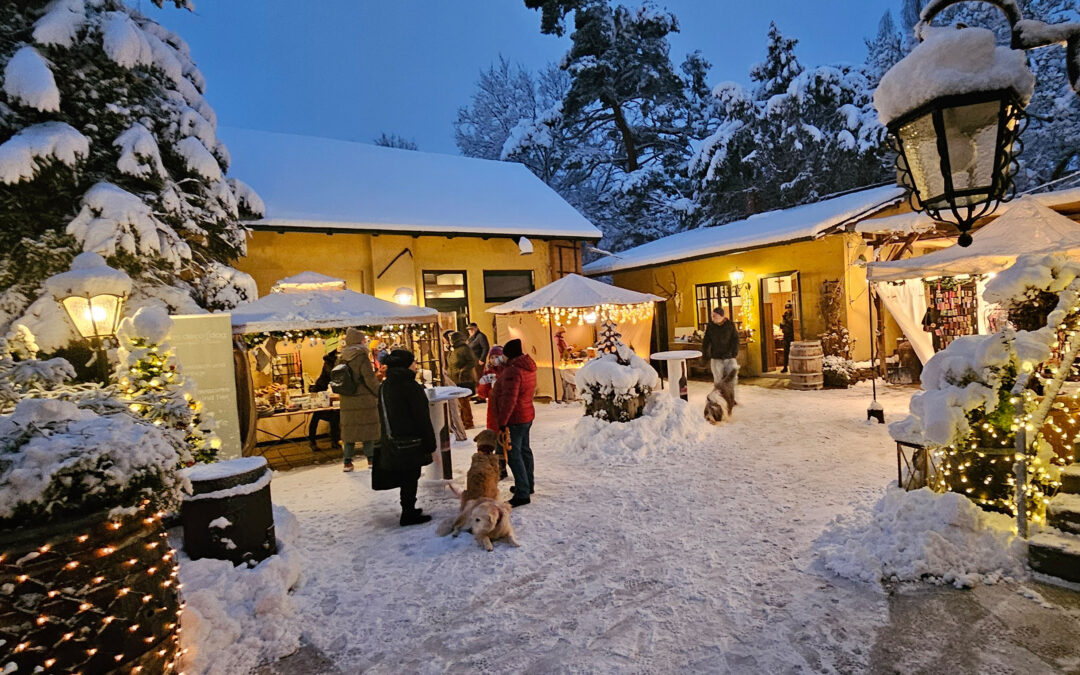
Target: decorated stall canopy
954	276
311	301
286	340
557	325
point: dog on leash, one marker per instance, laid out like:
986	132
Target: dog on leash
481	482
489	519
720	400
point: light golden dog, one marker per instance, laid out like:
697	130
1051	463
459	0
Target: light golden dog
482	482
489	519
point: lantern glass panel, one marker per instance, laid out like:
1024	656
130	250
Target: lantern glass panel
94	317
971	132
921	154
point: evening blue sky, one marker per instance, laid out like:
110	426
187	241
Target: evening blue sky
354	68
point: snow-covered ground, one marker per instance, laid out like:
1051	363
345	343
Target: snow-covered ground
695	558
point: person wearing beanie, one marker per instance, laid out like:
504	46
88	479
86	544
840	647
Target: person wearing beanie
404	416
461	367
359	414
512	401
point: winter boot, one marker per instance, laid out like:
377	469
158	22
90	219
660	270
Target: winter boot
414	517
517	501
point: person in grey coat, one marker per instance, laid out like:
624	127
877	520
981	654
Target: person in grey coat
359	412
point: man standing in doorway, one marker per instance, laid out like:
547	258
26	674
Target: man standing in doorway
787	328
721	347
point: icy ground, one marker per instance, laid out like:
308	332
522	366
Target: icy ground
698	561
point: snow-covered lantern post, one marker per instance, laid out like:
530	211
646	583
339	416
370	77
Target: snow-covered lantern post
92	295
955	109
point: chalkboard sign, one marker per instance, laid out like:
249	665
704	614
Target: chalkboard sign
203	345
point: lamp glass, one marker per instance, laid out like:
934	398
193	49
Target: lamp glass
96	316
404	295
737	276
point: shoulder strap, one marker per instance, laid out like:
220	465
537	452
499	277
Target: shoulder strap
385	416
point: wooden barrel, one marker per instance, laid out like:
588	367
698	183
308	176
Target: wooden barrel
228	514
804	365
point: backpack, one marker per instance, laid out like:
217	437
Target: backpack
342	381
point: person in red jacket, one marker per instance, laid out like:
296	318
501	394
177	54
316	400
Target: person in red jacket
512	400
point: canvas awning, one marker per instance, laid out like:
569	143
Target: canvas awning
1026	227
293	307
574	292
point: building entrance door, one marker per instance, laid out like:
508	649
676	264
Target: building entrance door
779	294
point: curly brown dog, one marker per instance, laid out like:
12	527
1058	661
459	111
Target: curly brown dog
482	481
489	519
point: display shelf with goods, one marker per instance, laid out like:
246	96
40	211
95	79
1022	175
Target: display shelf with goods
951	310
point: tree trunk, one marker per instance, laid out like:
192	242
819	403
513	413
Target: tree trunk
627	136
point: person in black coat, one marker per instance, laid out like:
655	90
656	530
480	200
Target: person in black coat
403	412
332	417
721	347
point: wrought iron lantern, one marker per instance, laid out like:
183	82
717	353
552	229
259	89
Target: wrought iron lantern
737	276
94	316
957	153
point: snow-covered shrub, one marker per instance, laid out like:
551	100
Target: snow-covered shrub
57	460
967	407
615	384
920	535
150	381
838	371
668	426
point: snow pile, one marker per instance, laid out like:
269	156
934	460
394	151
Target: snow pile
967	374
668	427
236	618
605	375
113	220
60	23
949	62
56	456
139	154
89	275
28	79
910	536
21	155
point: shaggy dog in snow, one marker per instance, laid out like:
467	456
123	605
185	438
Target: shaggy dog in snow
482	481
489	519
720	400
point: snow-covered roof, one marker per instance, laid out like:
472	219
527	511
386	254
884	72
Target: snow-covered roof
1027	226
305	310
320	183
308	281
805	221
574	290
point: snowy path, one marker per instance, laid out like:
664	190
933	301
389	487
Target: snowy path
698	562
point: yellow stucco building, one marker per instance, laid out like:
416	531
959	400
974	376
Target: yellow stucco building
755	267
454	233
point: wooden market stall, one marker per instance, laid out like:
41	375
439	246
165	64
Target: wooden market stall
936	297
577	305
280	340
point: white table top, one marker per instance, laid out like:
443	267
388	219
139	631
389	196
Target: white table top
442	394
677	355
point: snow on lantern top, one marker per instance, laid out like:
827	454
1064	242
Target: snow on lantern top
950	62
89	276
308	281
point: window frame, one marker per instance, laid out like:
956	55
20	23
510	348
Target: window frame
508	273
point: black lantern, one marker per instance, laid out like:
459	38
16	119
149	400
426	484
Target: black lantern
957	154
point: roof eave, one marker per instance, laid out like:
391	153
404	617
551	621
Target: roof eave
350	228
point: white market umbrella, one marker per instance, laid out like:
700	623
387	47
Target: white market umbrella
574	291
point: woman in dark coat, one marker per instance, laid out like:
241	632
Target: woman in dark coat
404	413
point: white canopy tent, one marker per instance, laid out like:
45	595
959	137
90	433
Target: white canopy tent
533	319
312	301
1027	226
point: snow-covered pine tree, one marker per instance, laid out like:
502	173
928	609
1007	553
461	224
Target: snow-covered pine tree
885	50
149	379
107	145
394	141
773	75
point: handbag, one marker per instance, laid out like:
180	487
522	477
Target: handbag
401	453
